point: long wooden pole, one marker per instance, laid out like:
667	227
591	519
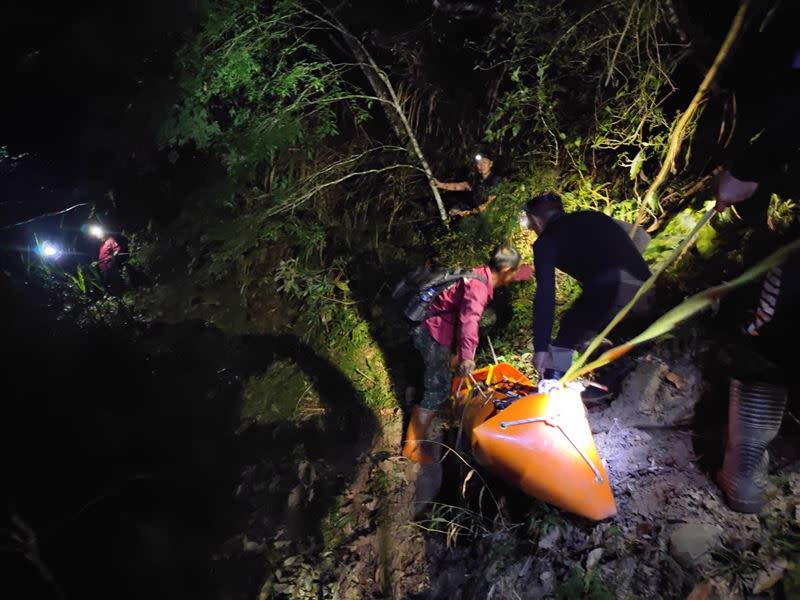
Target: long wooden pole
679	131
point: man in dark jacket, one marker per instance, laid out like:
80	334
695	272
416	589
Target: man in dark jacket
593	249
481	186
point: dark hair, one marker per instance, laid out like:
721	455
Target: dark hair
544	204
504	257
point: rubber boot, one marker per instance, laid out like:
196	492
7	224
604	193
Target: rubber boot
755	412
415	447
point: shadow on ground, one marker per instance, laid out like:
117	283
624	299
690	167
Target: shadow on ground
123	449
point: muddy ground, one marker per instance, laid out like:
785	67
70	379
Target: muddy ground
673	536
135	475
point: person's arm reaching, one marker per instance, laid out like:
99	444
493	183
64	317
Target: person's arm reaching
524	273
455	186
489	200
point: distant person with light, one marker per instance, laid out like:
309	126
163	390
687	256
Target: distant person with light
482	186
109	249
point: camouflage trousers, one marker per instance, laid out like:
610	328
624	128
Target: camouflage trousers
436	377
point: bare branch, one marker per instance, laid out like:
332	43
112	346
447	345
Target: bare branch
679	131
383	87
44	216
295	202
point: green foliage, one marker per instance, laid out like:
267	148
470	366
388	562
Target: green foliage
472	239
581	585
330	322
335	523
254	84
317	291
277	395
676	231
782	213
86	280
585	85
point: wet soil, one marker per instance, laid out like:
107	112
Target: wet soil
129	471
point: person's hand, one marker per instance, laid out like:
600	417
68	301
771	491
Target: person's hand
540	361
455	212
729	190
466	367
454	362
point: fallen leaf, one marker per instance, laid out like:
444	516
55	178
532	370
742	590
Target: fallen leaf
767	579
644	528
549	541
302	469
466	480
290	561
594	558
295	497
675	380
701	591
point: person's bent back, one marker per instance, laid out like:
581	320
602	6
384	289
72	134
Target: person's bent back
451	326
593	249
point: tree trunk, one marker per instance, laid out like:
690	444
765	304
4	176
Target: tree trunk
384	90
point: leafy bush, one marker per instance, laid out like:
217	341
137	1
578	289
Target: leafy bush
329	322
254	84
584	84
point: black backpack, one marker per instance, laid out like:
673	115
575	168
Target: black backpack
422	286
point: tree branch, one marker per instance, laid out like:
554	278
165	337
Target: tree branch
383	87
678	133
44	216
295	202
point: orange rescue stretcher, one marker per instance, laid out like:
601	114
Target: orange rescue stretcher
541	443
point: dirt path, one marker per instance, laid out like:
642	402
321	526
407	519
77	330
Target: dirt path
673	535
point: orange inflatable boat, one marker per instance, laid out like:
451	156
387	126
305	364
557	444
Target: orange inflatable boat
541	443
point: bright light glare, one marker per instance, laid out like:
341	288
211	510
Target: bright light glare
48	250
478	158
96	231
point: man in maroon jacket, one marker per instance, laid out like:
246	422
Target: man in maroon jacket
108	253
453	327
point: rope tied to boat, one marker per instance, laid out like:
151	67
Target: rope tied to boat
555	420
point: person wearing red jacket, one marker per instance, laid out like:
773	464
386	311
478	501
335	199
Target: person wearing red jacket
452	327
107	256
